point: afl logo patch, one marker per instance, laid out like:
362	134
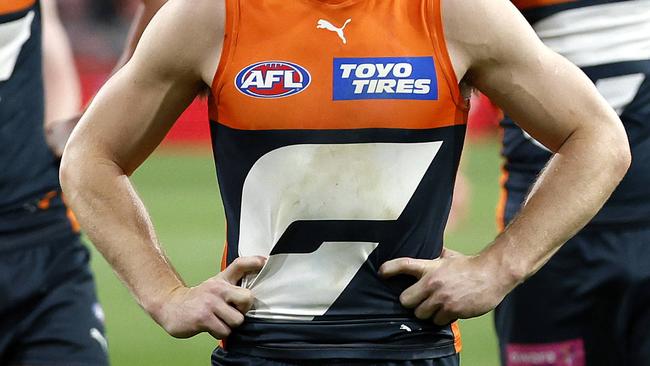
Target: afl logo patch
272	79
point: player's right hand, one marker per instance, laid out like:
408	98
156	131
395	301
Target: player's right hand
215	306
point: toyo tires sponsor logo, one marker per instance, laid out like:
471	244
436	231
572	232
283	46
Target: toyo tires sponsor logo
272	79
385	78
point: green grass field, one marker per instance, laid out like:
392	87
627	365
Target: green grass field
180	191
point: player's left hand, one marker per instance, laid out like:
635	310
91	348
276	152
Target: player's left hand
450	287
58	132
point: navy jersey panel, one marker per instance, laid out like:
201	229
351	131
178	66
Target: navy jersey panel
613	54
49	314
591	301
365	319
28	167
221	357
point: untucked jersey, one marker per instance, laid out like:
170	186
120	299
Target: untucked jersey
337	129
610	42
27	166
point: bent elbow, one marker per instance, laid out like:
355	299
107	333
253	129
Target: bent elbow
621	156
623	159
69	173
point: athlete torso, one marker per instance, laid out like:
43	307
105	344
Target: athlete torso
610	42
337	129
28	167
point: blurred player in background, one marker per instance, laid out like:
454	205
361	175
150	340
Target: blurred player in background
591	303
337	130
49	314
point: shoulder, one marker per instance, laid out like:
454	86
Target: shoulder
190	19
200	12
186	34
486	31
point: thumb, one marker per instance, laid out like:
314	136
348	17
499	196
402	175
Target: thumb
408	266
240	267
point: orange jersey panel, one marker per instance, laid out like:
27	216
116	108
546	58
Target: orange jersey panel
458	343
12	6
337	130
318	38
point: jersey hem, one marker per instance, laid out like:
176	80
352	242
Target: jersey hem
359	338
351	351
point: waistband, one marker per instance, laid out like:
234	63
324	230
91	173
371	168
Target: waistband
378	339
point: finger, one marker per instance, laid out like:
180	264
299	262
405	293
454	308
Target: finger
448	253
241	267
414	295
407	266
215	327
427	309
241	298
442	317
231	316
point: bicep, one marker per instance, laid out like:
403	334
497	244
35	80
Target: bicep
136	108
132	114
547	96
544	93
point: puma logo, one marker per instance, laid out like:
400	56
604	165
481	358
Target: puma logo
324	24
405	327
99	337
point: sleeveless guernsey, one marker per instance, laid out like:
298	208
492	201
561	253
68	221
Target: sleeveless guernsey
337	128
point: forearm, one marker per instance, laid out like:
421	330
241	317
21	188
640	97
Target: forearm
122	126
116	221
569	192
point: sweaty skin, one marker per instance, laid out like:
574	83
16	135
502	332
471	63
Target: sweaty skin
497	53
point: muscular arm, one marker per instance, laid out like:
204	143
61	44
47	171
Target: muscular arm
558	105
126	121
554	101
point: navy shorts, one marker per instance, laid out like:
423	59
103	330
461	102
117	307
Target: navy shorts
590	305
220	357
49	314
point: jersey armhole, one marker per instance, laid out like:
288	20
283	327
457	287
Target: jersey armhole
437	35
229	42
